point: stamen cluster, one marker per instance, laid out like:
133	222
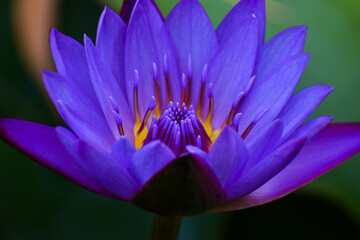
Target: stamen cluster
178	127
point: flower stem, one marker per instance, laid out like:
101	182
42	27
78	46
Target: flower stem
165	228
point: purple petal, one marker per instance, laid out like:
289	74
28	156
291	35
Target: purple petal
301	105
150	159
232	66
186	186
128	7
192	33
227	156
272	94
84	118
285	44
123	150
147	41
195	151
105	169
110	44
106	86
70	60
311	128
238	14
264	143
332	146
265	169
41	144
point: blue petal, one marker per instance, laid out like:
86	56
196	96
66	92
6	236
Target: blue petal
333	145
272	94
147	41
40	143
70	60
79	113
311	128
285	44
123	150
301	105
231	67
149	160
265	169
128	7
227	156
106	169
264	143
238	14
192	33
106	86
110	44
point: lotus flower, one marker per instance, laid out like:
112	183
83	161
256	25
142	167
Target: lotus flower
177	118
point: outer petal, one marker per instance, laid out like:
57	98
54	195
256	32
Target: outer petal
228	155
106	169
106	86
123	150
70	60
238	14
301	105
272	94
332	146
185	186
311	128
285	44
264	143
86	120
265	169
147	41
40	143
149	160
192	33
110	44
231	67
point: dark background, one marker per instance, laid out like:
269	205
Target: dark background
38	204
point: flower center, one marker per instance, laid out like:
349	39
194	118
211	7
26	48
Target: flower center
178	127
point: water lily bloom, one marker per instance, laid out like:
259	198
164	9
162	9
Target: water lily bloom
179	119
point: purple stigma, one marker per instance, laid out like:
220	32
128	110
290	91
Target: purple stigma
178	127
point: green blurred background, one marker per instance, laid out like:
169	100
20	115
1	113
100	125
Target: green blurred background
38	204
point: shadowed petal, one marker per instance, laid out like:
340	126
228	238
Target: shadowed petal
227	156
231	67
40	143
332	146
106	86
264	143
272	94
147	41
192	33
150	159
105	168
128	7
265	169
110	44
84	118
123	150
238	14
70	60
301	105
185	186
285	44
